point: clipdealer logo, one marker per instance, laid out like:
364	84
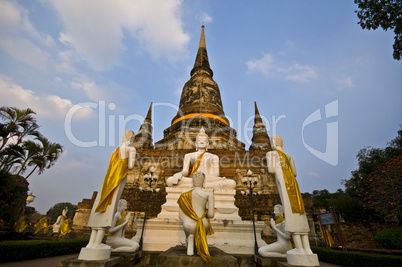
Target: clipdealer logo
330	155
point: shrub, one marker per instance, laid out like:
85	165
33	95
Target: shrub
390	238
25	250
353	258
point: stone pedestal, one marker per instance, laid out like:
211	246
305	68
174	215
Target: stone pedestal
232	235
177	257
114	261
268	261
302	259
128	259
90	254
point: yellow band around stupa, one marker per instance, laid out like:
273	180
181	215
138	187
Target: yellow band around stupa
207	115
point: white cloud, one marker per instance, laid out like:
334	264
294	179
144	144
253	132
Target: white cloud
314	174
48	106
345	82
204	18
98	91
14	19
65	62
95	29
25	51
265	65
271	67
300	73
20	39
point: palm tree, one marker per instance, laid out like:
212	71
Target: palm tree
18	123
10	156
32	155
47	156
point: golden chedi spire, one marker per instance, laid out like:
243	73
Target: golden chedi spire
200	106
201	95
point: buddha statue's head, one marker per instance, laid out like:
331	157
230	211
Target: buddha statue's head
276	141
64	212
128	136
198	179
122	206
278	210
201	140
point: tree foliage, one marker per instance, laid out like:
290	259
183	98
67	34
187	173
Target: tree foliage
23	150
349	207
18	151
384	189
386	14
377	181
374	191
13	194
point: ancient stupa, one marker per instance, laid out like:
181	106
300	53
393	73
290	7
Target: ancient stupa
200	107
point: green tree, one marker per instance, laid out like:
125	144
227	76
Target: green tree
374	165
45	157
23	150
13	194
384	189
350	207
386	14
18	123
17	151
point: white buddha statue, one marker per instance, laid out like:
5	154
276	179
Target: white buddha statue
60	220
105	205
203	161
283	167
196	208
282	245
115	238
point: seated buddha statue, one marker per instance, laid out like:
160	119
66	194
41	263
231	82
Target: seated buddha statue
203	161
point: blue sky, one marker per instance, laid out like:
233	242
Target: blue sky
298	59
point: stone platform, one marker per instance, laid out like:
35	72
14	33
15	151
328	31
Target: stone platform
232	234
75	262
268	262
177	257
234	237
129	259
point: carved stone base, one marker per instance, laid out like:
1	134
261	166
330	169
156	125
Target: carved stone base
302	259
92	263
232	235
90	254
268	261
129	259
235	237
177	257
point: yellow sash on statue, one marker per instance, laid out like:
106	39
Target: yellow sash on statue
42	224
197	164
279	220
292	187
185	204
65	227
20	225
120	221
116	172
